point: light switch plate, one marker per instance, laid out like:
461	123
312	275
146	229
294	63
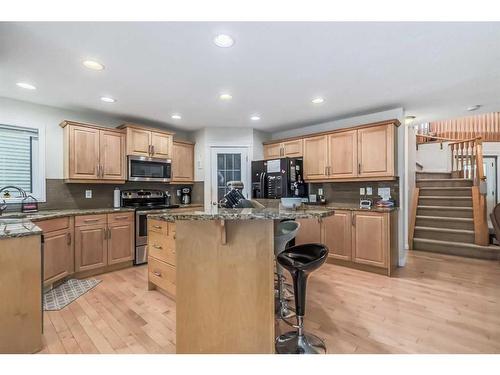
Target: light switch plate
361	191
178	192
369	190
88	194
320	191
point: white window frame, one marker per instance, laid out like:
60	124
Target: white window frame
38	183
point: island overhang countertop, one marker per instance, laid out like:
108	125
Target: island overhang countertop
268	213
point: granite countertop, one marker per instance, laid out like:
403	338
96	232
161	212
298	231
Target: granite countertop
355	207
54	214
166	210
268	213
12	228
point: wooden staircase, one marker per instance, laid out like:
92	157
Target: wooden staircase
448	214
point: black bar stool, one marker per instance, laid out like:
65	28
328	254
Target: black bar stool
300	261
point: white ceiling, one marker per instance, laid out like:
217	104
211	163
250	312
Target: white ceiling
433	70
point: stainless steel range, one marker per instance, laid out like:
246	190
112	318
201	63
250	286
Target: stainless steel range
144	201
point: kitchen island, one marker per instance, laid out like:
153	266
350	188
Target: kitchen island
224	276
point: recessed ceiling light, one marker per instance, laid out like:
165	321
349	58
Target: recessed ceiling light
409	119
107	99
318	100
176	117
225	96
223	40
255	118
94	65
474	107
26	86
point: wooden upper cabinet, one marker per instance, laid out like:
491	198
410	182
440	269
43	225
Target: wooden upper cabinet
143	141
376	151
83	153
343	159
161	145
112	151
183	162
292	149
286	149
337	234
93	154
272	151
315	157
370	238
138	142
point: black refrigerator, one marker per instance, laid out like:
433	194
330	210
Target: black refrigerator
278	178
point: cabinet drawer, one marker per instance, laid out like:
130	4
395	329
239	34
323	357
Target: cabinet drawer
90	220
162	274
52	225
158	226
162	247
120	217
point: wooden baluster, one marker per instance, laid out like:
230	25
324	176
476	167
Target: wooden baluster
467	159
452	147
472	161
462	167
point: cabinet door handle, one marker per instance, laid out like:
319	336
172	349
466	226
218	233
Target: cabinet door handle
157	226
102	171
68	238
353	219
121	217
152	150
157	246
90	220
359	168
109	233
156	273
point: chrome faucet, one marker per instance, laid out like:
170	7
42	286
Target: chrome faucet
3	205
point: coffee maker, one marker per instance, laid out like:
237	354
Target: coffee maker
186	195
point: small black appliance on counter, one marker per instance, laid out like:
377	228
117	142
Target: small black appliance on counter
278	178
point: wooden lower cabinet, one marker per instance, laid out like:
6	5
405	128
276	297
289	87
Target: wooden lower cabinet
58	249
161	257
371	238
120	242
361	239
337	235
91	250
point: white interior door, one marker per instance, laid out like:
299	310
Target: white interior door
490	171
228	164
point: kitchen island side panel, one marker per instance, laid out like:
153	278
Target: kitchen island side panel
225	286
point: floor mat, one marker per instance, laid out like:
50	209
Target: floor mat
66	293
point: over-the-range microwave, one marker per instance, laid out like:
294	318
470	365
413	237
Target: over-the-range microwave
142	168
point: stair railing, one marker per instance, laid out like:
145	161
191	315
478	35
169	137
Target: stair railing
467	163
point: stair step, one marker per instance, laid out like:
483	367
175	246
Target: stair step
445	234
442	200
446	191
456	248
444	211
433	175
445	222
443	182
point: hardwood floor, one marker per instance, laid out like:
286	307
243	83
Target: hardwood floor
436	304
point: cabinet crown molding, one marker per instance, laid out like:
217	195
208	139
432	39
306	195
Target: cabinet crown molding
143	127
88	125
394	122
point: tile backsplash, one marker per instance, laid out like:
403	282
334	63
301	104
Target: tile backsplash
68	196
348	192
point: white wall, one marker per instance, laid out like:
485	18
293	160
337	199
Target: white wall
208	138
402	162
433	157
15	112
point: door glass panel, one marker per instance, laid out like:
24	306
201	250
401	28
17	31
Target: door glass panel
228	169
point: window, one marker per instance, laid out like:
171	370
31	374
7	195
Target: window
21	161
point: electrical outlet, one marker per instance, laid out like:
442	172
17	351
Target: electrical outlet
88	194
361	191
369	190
